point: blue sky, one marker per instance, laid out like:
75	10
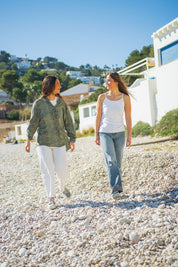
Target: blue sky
78	32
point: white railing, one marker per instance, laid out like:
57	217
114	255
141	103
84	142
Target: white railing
148	62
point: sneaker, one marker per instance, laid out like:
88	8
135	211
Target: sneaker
52	204
66	192
116	195
120	190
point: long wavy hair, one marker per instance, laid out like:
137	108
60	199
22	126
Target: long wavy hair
117	78
48	86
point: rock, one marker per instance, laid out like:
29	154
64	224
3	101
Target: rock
4	264
176	206
124	264
162	206
124	220
134	237
22	252
40	233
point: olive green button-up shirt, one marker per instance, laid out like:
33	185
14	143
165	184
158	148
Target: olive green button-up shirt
53	124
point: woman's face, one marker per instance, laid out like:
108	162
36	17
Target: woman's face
110	83
57	87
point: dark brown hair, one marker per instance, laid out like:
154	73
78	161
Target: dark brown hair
48	86
117	78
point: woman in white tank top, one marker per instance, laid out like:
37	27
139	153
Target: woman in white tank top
110	130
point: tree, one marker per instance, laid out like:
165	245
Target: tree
38	59
19	94
145	52
31	76
94	96
9	80
64	80
50	60
1	72
4	57
73	82
133	58
106	68
60	66
3	66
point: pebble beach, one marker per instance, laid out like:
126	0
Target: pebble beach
90	228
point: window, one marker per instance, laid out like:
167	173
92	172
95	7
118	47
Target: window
86	112
169	53
93	110
19	130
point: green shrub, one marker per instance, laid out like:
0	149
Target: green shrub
78	134
91	131
168	125
25	113
85	132
13	114
142	128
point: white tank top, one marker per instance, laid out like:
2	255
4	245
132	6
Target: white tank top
112	116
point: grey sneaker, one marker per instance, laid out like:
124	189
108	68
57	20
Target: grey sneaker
66	192
116	195
52	204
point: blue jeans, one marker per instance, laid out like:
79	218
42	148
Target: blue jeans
113	145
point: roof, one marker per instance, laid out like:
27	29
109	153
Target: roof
79	89
171	26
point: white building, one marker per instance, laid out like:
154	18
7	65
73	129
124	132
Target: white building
87	114
165	42
21	131
85	79
90	79
74	74
4	97
23	65
156	92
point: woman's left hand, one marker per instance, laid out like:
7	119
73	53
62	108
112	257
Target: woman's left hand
128	142
72	146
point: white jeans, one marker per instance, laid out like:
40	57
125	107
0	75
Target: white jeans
53	160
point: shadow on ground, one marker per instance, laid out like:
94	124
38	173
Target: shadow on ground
168	198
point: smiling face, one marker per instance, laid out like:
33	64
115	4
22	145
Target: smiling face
110	83
57	87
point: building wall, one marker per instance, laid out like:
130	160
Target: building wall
87	113
20	131
142	102
166	59
167	87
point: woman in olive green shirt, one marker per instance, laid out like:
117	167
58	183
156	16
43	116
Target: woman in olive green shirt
51	119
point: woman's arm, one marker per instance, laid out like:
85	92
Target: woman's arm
32	127
127	108
27	147
98	116
69	127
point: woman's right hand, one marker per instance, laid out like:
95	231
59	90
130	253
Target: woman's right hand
27	147
97	141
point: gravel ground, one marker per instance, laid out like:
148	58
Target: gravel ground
90	228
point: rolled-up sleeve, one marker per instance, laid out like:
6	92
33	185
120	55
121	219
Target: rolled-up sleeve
34	121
